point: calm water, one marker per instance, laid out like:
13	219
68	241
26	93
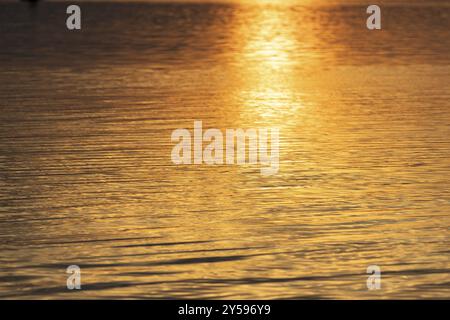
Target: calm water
86	176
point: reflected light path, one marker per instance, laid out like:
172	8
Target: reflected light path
269	94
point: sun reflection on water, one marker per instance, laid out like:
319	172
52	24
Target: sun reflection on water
269	93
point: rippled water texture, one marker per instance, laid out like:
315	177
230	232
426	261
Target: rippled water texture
86	176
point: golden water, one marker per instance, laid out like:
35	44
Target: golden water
86	176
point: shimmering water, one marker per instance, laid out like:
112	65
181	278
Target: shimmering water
86	176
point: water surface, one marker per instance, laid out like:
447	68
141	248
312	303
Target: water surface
86	176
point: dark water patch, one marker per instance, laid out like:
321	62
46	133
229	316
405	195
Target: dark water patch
163	244
170	253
